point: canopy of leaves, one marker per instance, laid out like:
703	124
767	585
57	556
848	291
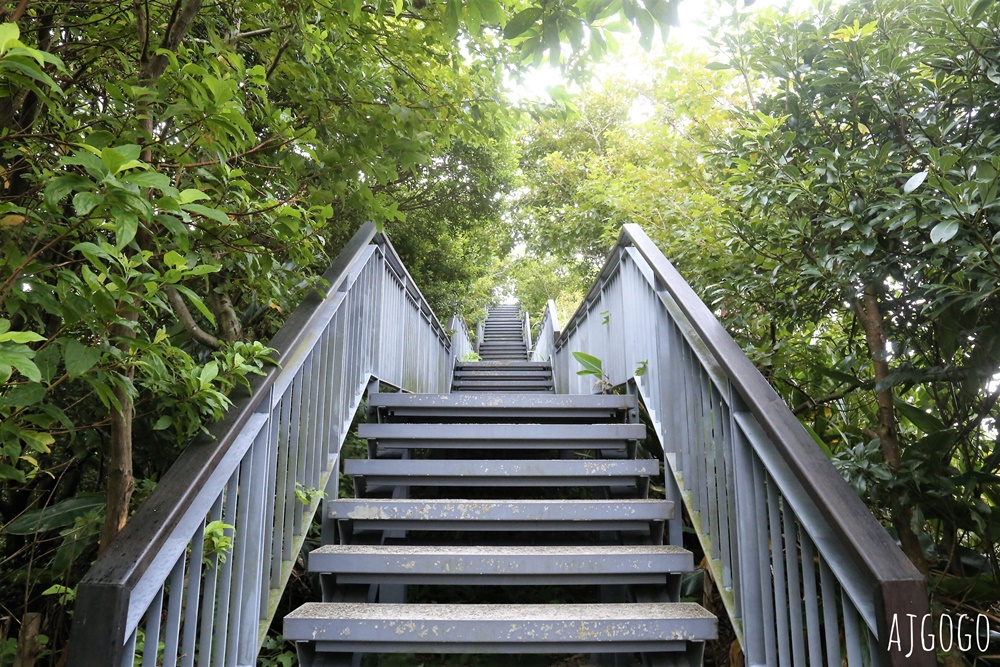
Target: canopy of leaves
818	158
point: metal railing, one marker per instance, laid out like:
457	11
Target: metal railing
526	331
196	575
461	343
807	575
548	331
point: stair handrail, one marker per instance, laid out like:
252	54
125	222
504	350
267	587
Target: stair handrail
461	342
526	331
480	332
548	331
199	569
780	527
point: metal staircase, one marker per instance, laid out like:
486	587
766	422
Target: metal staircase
510	476
514	490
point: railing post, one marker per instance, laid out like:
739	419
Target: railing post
98	625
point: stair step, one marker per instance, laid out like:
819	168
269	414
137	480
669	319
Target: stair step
490	373
497	565
494	628
500	384
506	436
379	473
501	515
469	365
535	408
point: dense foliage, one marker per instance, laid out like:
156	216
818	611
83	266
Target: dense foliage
829	185
176	175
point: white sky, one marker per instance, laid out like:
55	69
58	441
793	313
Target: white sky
694	15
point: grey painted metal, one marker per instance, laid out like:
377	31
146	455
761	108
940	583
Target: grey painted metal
484	407
529	514
503	472
461	343
731	442
499	565
512	435
241	481
555	628
548	331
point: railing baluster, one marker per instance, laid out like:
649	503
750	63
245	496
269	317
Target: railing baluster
211	575
174	606
220	629
794	586
831	624
252	569
852	636
188	642
152	634
277	443
128	656
778	567
812	600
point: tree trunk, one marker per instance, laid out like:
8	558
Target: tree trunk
28	644
870	317
120	484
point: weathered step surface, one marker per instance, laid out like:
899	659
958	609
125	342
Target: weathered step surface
494	628
492	372
499	565
501	385
503	436
383	474
505	408
501	515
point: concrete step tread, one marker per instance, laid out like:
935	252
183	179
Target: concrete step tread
498	468
496	562
494	432
499	628
469	510
507	613
538	402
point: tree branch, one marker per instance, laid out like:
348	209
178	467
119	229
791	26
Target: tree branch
185	318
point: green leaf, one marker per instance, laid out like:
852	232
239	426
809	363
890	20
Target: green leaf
925	422
491	11
591	364
191	195
85	202
24	395
913	182
148	179
55	516
521	21
9	472
944	231
119	158
198	303
21	337
452	17
62	186
126	227
818	440
211	213
977	10
9	35
80	358
19	356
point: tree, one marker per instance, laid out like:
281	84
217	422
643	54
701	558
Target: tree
862	185
630	151
175	177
